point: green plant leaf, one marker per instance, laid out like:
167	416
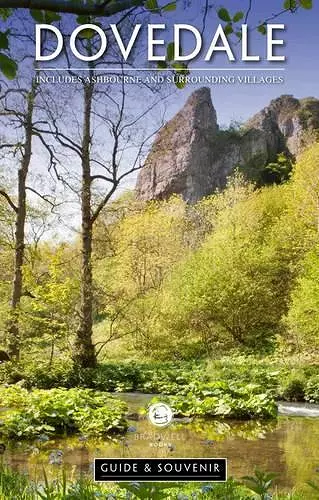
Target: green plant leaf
83	19
170	51
223	14
169	7
238	16
181	68
152	5
43	16
290	4
8	66
262	29
4	41
180	84
306	4
5	13
228	29
161	65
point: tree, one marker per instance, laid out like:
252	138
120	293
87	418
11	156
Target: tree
126	138
18	113
235	285
141	250
303	316
305	190
53	292
6	261
25	119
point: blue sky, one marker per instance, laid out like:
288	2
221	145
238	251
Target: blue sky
239	102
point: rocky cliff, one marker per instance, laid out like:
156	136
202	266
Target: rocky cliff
192	157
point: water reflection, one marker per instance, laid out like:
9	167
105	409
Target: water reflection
288	446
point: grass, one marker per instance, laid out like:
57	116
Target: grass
17	486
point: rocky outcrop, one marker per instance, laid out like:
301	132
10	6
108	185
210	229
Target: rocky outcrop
181	154
192	157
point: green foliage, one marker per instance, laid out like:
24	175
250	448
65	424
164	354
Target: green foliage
57	411
173	378
261	483
312	390
5	13
152	5
145	245
303	315
4	42
112	377
171	6
290	4
53	292
306	4
234	284
43	16
224	400
277	172
293	388
17	486
8	66
224	15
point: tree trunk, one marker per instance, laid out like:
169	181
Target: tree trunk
14	339
84	354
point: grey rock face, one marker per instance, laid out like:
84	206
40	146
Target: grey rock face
192	157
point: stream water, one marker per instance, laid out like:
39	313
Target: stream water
288	445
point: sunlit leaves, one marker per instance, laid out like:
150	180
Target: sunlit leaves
169	7
152	5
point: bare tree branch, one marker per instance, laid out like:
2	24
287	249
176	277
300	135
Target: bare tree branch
9	200
107	8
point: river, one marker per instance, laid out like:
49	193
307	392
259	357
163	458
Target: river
288	445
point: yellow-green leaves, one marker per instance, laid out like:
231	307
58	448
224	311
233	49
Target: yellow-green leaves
306	4
152	5
169	7
294	4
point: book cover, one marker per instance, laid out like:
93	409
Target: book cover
159	249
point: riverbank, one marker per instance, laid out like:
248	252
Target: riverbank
225	407
15	486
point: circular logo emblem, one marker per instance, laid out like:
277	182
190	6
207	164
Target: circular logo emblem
160	414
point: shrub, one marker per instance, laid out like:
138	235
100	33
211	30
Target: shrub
312	390
223	399
109	377
293	388
58	411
